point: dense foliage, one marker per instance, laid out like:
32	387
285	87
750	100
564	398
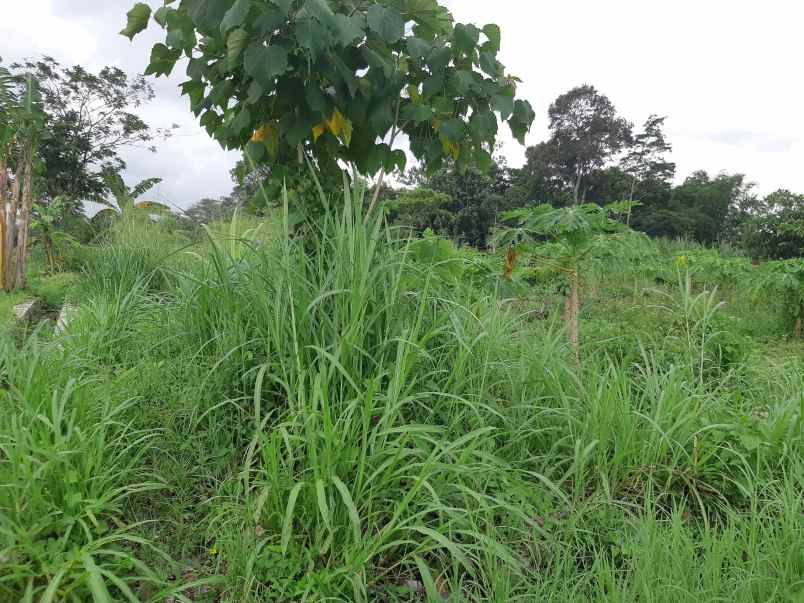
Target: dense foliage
90	118
357	417
339	80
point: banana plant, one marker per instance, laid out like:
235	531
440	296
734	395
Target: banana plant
578	229
22	129
8	105
124	200
44	218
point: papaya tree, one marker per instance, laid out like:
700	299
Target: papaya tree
339	81
579	229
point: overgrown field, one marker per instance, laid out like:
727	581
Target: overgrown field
349	415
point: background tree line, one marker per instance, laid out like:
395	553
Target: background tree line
595	155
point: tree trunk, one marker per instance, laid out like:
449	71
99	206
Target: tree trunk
797	329
575	316
576	191
376	195
50	256
572	313
11	229
25	215
631	200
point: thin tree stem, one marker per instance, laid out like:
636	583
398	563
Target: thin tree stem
375	197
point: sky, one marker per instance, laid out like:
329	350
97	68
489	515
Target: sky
726	73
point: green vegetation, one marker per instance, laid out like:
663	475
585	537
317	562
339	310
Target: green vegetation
285	395
339	80
353	415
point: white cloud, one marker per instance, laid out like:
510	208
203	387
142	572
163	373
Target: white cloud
711	66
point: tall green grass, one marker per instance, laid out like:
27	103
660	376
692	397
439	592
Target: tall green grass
335	417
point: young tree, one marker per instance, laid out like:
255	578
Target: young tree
645	160
579	229
91	118
772	227
339	81
44	219
586	133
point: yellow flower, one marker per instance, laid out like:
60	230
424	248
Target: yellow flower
213	551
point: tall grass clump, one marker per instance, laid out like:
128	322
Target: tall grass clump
69	464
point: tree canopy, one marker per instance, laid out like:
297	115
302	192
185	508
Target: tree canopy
339	80
90	118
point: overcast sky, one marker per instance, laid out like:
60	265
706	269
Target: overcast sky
727	73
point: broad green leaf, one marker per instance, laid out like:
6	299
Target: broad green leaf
433	85
268	21
399	159
503	104
265	63
207	14
431	19
349	29
312	35
321	10
489	63
483	160
315	98
386	22
461	82
284	5
521	120
161	14
242	121
235	16
235	43
137	20
255	91
453	129
163	60
416	112
255	151
418	48
494	35
484	125
439	59
466	37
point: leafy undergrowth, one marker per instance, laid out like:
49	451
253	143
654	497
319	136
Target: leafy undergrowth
341	418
